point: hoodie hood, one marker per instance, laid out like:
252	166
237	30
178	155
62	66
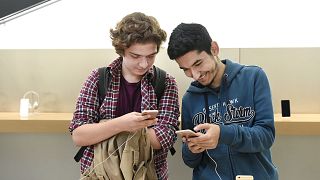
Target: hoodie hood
231	71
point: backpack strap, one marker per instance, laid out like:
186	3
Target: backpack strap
103	83
159	82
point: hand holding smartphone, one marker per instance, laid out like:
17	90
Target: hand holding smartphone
152	113
186	133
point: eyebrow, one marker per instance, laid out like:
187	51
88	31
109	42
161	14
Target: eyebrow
142	55
197	61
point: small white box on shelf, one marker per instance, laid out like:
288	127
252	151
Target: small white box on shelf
24	108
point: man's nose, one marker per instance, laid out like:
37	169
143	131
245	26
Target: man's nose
144	62
195	74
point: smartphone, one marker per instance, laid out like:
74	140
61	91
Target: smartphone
153	113
244	177
186	133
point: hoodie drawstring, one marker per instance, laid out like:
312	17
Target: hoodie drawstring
207	107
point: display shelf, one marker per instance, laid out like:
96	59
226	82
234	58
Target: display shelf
297	124
35	123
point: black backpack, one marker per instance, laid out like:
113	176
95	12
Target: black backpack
158	82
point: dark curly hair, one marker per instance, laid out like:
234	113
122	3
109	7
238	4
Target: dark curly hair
136	28
188	37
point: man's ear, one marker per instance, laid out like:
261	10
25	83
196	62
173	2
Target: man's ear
215	48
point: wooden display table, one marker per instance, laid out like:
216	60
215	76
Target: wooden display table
297	124
35	123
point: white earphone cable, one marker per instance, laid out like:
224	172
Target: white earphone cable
216	165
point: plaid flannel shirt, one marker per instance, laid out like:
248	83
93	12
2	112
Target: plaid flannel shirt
88	110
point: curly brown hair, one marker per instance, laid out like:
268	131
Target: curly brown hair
136	28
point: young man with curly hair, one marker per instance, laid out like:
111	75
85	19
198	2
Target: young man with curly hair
116	125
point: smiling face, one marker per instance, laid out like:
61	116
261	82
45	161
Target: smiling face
199	66
202	67
137	60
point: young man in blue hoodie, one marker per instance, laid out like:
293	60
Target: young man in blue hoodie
228	105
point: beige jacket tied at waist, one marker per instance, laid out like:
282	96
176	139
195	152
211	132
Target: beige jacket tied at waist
125	156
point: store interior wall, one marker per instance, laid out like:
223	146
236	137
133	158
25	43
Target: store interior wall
57	75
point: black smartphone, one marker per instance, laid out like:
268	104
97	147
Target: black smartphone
285	108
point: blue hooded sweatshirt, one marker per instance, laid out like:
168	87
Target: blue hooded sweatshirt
243	110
